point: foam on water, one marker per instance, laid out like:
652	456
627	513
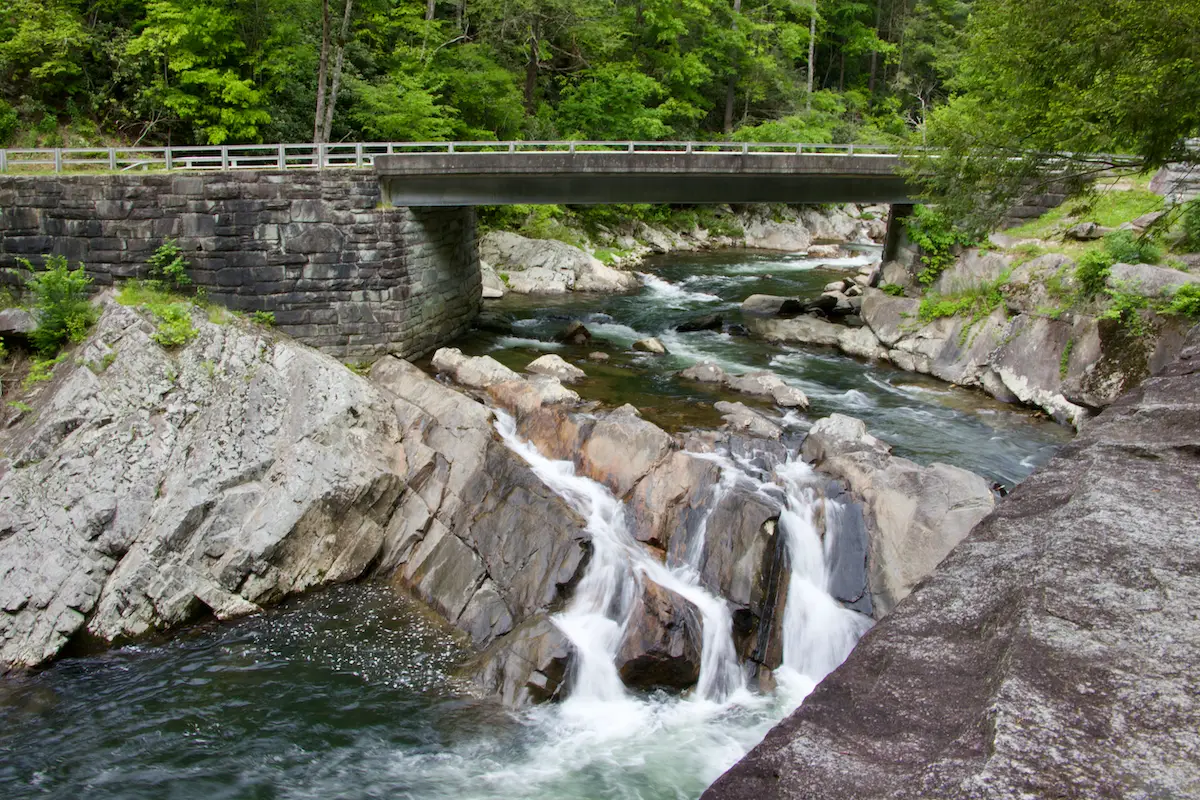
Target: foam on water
673	295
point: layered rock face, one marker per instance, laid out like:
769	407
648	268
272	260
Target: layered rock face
1052	654
153	487
1070	365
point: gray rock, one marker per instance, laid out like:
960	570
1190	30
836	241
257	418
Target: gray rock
662	642
546	266
1086	232
1027	290
972	270
598	356
476	372
1029	363
1148	280
1052	654
704	372
767	384
493	285
896	274
576	333
708	322
790	237
861	342
763	304
650	345
621	448
16	321
551	364
743	419
527	666
806	330
837	435
889	318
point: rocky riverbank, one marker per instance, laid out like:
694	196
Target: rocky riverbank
598	258
1051	655
144	488
995	322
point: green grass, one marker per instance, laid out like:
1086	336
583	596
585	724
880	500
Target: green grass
1108	209
173	311
41	370
976	304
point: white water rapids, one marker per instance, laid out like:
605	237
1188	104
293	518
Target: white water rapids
605	741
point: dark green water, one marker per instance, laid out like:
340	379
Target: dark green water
351	693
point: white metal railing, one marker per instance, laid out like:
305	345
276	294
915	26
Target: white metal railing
363	154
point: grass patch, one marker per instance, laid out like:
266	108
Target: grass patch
1108	208
975	304
172	311
1065	361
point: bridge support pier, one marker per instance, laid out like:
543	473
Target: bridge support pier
897	233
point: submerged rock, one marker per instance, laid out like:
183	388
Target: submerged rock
576	333
708	322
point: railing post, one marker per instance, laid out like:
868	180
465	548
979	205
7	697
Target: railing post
281	161
3	161
689	148
450	147
851	150
112	159
746	149
358	155
168	158
224	156
631	147
322	154
512	147
58	159
572	149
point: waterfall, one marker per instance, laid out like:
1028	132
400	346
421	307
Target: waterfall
596	618
818	632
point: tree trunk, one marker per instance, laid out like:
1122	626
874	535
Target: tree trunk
733	76
875	53
531	71
336	81
812	49
322	70
430	10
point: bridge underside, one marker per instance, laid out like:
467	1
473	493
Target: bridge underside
590	178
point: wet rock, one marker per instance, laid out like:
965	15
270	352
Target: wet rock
826	304
768	384
807	330
743	419
673	500
915	515
556	366
662	642
650	345
763	304
1063	624
704	372
524	396
1148	280
598	356
836	286
708	322
738	538
622	447
576	333
527	666
476	372
837	435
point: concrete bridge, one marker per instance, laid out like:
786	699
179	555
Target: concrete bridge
361	249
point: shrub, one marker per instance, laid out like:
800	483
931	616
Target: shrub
937	237
61	305
3	352
1092	272
1185	302
175	327
168	266
1125	248
1125	308
894	289
42	369
266	318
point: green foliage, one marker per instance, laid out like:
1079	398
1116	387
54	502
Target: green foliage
615	101
8	122
168	266
1092	270
41	370
3	351
175	327
1126	308
21	407
893	289
1125	248
8	298
264	318
1040	77
60	303
1185	302
1191	225
938	238
400	108
1064	363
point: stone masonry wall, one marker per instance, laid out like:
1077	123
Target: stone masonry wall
339	271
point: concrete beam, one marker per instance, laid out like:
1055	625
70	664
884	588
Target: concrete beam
455	179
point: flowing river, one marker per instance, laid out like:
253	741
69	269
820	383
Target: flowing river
352	692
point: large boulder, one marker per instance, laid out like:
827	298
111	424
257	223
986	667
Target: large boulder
556	366
475	372
1148	280
805	330
740	418
662	642
889	318
766	234
546	266
650	345
622	447
973	270
527	666
767	384
1052	654
673	500
766	304
915	515
1040	284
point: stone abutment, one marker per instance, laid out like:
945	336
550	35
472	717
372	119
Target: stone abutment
320	250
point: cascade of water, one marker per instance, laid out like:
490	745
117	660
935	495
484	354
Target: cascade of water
818	632
596	617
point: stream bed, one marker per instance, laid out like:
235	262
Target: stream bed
354	692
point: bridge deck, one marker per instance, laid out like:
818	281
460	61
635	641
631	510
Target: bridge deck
583	177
